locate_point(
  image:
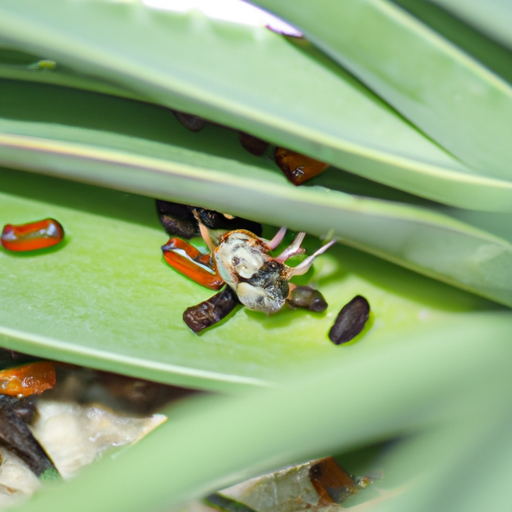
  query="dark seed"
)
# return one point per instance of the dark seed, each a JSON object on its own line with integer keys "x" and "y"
{"x": 350, "y": 321}
{"x": 189, "y": 121}
{"x": 10, "y": 358}
{"x": 252, "y": 144}
{"x": 211, "y": 311}
{"x": 16, "y": 433}
{"x": 216, "y": 220}
{"x": 307, "y": 298}
{"x": 25, "y": 408}
{"x": 178, "y": 220}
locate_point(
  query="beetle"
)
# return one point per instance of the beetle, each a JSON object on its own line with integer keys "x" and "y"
{"x": 241, "y": 259}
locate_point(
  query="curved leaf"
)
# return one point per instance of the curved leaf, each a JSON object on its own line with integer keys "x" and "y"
{"x": 107, "y": 299}
{"x": 19, "y": 65}
{"x": 258, "y": 81}
{"x": 492, "y": 17}
{"x": 442, "y": 90}
{"x": 420, "y": 380}
{"x": 137, "y": 156}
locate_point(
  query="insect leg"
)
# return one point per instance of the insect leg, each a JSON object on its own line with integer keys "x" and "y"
{"x": 204, "y": 232}
{"x": 293, "y": 249}
{"x": 303, "y": 267}
{"x": 278, "y": 238}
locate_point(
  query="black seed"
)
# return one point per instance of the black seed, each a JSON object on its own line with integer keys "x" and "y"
{"x": 252, "y": 144}
{"x": 307, "y": 298}
{"x": 16, "y": 433}
{"x": 25, "y": 408}
{"x": 178, "y": 220}
{"x": 215, "y": 220}
{"x": 189, "y": 121}
{"x": 210, "y": 311}
{"x": 350, "y": 321}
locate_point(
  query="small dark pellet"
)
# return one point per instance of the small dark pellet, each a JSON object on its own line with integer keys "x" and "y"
{"x": 252, "y": 144}
{"x": 350, "y": 321}
{"x": 189, "y": 121}
{"x": 307, "y": 298}
{"x": 211, "y": 311}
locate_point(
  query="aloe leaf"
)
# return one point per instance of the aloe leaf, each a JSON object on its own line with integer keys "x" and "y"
{"x": 476, "y": 451}
{"x": 442, "y": 90}
{"x": 418, "y": 379}
{"x": 19, "y": 65}
{"x": 482, "y": 48}
{"x": 107, "y": 299}
{"x": 41, "y": 106}
{"x": 234, "y": 181}
{"x": 492, "y": 17}
{"x": 258, "y": 81}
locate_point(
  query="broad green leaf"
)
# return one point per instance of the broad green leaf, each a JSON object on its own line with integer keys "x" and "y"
{"x": 107, "y": 299}
{"x": 491, "y": 17}
{"x": 212, "y": 169}
{"x": 420, "y": 383}
{"x": 482, "y": 48}
{"x": 442, "y": 90}
{"x": 432, "y": 365}
{"x": 282, "y": 90}
{"x": 18, "y": 65}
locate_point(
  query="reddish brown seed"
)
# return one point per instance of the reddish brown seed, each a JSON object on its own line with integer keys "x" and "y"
{"x": 29, "y": 379}
{"x": 194, "y": 264}
{"x": 296, "y": 167}
{"x": 332, "y": 483}
{"x": 32, "y": 236}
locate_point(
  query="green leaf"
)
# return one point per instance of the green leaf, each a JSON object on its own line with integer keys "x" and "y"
{"x": 279, "y": 89}
{"x": 492, "y": 17}
{"x": 432, "y": 367}
{"x": 442, "y": 90}
{"x": 419, "y": 382}
{"x": 136, "y": 155}
{"x": 107, "y": 299}
{"x": 484, "y": 49}
{"x": 19, "y": 65}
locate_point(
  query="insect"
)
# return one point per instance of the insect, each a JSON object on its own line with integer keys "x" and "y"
{"x": 241, "y": 259}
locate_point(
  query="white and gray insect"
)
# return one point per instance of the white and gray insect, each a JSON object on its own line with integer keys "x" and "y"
{"x": 259, "y": 280}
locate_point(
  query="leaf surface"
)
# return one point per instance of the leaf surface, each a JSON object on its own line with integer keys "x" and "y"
{"x": 441, "y": 89}
{"x": 257, "y": 81}
{"x": 106, "y": 298}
